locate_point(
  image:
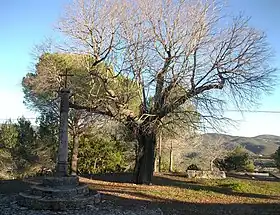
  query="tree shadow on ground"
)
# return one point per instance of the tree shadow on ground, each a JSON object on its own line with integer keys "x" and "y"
{"x": 112, "y": 177}
{"x": 257, "y": 178}
{"x": 130, "y": 199}
{"x": 13, "y": 186}
{"x": 224, "y": 189}
{"x": 173, "y": 207}
{"x": 167, "y": 181}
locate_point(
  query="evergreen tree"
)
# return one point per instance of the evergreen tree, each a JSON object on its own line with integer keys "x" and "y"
{"x": 276, "y": 157}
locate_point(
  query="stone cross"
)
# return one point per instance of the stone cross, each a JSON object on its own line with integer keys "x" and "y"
{"x": 62, "y": 160}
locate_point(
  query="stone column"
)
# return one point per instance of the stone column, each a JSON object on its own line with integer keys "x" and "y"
{"x": 62, "y": 160}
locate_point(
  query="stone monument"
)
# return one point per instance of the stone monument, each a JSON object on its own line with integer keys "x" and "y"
{"x": 61, "y": 191}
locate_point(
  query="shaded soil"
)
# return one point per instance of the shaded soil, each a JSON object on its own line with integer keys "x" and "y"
{"x": 171, "y": 194}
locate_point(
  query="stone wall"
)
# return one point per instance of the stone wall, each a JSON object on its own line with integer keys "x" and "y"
{"x": 206, "y": 174}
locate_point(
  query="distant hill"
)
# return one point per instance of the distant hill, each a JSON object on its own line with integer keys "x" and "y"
{"x": 259, "y": 145}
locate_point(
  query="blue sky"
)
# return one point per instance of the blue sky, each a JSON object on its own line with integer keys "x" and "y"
{"x": 265, "y": 16}
{"x": 25, "y": 23}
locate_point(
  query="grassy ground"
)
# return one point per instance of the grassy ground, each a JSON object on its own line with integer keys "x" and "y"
{"x": 178, "y": 195}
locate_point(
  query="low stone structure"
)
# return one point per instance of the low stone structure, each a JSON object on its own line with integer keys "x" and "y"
{"x": 206, "y": 174}
{"x": 59, "y": 193}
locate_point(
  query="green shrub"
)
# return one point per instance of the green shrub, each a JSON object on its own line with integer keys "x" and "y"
{"x": 238, "y": 160}
{"x": 24, "y": 150}
{"x": 237, "y": 186}
{"x": 276, "y": 157}
{"x": 193, "y": 167}
{"x": 164, "y": 167}
{"x": 250, "y": 167}
{"x": 99, "y": 154}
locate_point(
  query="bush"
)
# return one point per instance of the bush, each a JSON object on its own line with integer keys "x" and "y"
{"x": 193, "y": 167}
{"x": 99, "y": 154}
{"x": 238, "y": 186}
{"x": 24, "y": 150}
{"x": 250, "y": 167}
{"x": 276, "y": 157}
{"x": 238, "y": 160}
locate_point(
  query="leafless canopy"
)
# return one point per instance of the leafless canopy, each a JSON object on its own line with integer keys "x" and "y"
{"x": 179, "y": 52}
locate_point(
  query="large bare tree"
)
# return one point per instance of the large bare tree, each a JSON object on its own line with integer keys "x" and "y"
{"x": 176, "y": 52}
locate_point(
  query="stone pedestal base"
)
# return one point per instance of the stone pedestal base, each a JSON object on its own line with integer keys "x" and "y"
{"x": 59, "y": 193}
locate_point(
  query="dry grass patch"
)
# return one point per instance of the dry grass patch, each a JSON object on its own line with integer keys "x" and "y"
{"x": 174, "y": 188}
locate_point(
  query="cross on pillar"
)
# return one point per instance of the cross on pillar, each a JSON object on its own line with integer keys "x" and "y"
{"x": 65, "y": 75}
{"x": 62, "y": 160}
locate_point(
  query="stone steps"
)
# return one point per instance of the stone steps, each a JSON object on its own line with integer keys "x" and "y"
{"x": 51, "y": 203}
{"x": 61, "y": 181}
{"x": 59, "y": 193}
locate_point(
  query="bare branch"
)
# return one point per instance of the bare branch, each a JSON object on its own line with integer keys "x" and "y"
{"x": 177, "y": 52}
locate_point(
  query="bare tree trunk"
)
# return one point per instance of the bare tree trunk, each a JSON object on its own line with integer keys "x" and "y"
{"x": 212, "y": 164}
{"x": 144, "y": 167}
{"x": 74, "y": 162}
{"x": 94, "y": 165}
{"x": 155, "y": 163}
{"x": 136, "y": 153}
{"x": 171, "y": 157}
{"x": 159, "y": 150}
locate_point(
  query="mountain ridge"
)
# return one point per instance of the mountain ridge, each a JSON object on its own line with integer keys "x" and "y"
{"x": 264, "y": 144}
